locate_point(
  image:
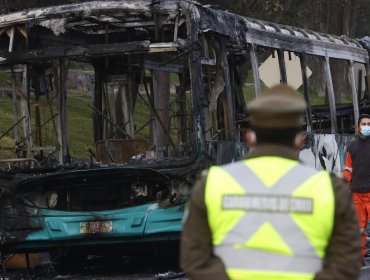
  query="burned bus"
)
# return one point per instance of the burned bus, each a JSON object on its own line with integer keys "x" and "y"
{"x": 171, "y": 82}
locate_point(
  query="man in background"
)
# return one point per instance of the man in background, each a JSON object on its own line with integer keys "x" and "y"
{"x": 357, "y": 173}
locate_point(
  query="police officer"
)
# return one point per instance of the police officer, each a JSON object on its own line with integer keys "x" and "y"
{"x": 268, "y": 216}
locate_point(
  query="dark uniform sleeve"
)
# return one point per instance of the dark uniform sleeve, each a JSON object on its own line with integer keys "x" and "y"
{"x": 343, "y": 254}
{"x": 196, "y": 254}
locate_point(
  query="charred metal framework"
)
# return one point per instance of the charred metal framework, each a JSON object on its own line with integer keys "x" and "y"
{"x": 190, "y": 68}
{"x": 123, "y": 40}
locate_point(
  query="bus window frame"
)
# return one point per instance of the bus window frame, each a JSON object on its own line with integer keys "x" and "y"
{"x": 331, "y": 98}
{"x": 352, "y": 81}
{"x": 282, "y": 67}
{"x": 256, "y": 75}
{"x": 302, "y": 60}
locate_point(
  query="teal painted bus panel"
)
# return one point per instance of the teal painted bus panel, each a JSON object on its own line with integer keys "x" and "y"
{"x": 164, "y": 220}
{"x": 62, "y": 225}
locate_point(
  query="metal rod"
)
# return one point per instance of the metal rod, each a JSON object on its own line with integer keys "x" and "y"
{"x": 11, "y": 40}
{"x": 229, "y": 93}
{"x": 15, "y": 111}
{"x": 110, "y": 121}
{"x": 175, "y": 32}
{"x": 25, "y": 110}
{"x": 14, "y": 125}
{"x": 302, "y": 59}
{"x": 157, "y": 115}
{"x": 329, "y": 84}
{"x": 354, "y": 93}
{"x": 142, "y": 127}
{"x": 283, "y": 77}
{"x": 359, "y": 85}
{"x": 63, "y": 114}
{"x": 41, "y": 126}
{"x": 256, "y": 77}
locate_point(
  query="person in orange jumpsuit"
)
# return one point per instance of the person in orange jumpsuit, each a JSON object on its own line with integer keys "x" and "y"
{"x": 357, "y": 173}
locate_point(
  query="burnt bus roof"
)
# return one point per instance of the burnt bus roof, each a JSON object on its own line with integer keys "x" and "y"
{"x": 76, "y": 25}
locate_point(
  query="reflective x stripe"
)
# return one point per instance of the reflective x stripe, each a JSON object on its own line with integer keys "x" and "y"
{"x": 348, "y": 168}
{"x": 304, "y": 257}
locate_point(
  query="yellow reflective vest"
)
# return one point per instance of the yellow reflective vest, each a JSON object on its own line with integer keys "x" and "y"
{"x": 270, "y": 218}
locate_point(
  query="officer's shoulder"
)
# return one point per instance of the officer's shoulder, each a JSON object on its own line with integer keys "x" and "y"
{"x": 340, "y": 186}
{"x": 312, "y": 171}
{"x": 225, "y": 166}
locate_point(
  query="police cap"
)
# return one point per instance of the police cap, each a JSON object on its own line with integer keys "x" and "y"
{"x": 278, "y": 107}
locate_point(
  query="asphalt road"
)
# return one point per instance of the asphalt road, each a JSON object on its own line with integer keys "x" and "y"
{"x": 44, "y": 274}
{"x": 160, "y": 268}
{"x": 163, "y": 270}
{"x": 175, "y": 275}
{"x": 100, "y": 276}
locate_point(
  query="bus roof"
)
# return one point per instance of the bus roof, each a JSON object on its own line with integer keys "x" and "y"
{"x": 237, "y": 29}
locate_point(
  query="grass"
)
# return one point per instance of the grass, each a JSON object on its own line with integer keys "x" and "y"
{"x": 5, "y": 78}
{"x": 5, "y": 123}
{"x": 79, "y": 120}
{"x": 79, "y": 124}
